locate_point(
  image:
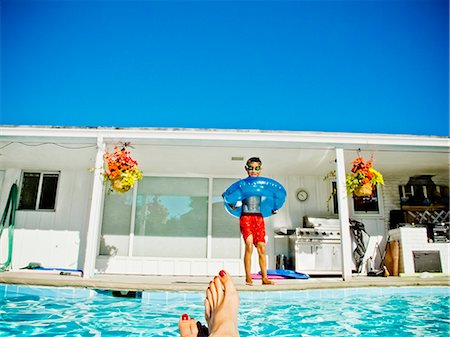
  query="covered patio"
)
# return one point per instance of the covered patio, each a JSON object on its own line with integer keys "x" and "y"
{"x": 299, "y": 160}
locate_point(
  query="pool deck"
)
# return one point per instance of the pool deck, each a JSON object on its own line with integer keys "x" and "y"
{"x": 198, "y": 283}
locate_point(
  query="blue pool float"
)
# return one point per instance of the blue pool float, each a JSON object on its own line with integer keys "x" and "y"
{"x": 287, "y": 273}
{"x": 272, "y": 195}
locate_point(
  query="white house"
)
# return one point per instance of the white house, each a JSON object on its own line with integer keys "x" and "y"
{"x": 173, "y": 221}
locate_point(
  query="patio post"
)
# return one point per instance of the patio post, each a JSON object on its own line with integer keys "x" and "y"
{"x": 343, "y": 215}
{"x": 95, "y": 213}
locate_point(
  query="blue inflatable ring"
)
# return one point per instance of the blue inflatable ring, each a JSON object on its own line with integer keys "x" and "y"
{"x": 272, "y": 195}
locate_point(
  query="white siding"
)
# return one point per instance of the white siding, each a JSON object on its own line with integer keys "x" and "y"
{"x": 57, "y": 238}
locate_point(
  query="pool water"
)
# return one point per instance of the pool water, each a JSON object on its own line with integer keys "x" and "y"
{"x": 406, "y": 311}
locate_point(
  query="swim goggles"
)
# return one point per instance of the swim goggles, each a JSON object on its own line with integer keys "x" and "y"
{"x": 251, "y": 168}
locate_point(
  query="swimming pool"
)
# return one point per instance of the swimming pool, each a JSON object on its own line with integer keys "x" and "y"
{"x": 405, "y": 311}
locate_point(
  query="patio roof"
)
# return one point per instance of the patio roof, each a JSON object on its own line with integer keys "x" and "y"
{"x": 202, "y": 151}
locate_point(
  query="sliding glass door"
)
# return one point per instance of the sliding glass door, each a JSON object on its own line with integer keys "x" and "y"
{"x": 171, "y": 217}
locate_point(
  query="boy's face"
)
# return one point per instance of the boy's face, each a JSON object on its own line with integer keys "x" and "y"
{"x": 253, "y": 169}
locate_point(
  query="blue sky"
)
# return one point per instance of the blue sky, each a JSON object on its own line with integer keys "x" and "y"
{"x": 341, "y": 66}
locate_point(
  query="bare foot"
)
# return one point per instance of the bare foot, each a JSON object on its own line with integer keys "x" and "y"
{"x": 266, "y": 281}
{"x": 249, "y": 281}
{"x": 187, "y": 327}
{"x": 221, "y": 306}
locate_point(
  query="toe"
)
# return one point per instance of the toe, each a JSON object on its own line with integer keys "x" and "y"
{"x": 227, "y": 281}
{"x": 213, "y": 291}
{"x": 210, "y": 298}
{"x": 207, "y": 310}
{"x": 184, "y": 326}
{"x": 193, "y": 327}
{"x": 219, "y": 289}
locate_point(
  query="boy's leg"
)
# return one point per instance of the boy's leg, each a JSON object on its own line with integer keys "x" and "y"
{"x": 245, "y": 223}
{"x": 248, "y": 259}
{"x": 259, "y": 232}
{"x": 261, "y": 248}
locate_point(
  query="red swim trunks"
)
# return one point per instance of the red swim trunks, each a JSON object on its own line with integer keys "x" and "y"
{"x": 253, "y": 224}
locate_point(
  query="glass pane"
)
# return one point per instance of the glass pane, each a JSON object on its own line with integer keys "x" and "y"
{"x": 116, "y": 223}
{"x": 226, "y": 235}
{"x": 28, "y": 194}
{"x": 366, "y": 204}
{"x": 48, "y": 191}
{"x": 171, "y": 217}
{"x": 335, "y": 199}
{"x": 360, "y": 204}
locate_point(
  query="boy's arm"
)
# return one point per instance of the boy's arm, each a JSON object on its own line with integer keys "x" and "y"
{"x": 233, "y": 207}
{"x": 276, "y": 202}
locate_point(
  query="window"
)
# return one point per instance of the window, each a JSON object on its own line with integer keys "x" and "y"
{"x": 168, "y": 217}
{"x": 117, "y": 212}
{"x": 171, "y": 217}
{"x": 38, "y": 191}
{"x": 361, "y": 205}
{"x": 366, "y": 204}
{"x": 226, "y": 234}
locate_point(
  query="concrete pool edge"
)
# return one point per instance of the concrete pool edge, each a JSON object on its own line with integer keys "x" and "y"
{"x": 10, "y": 291}
{"x": 192, "y": 283}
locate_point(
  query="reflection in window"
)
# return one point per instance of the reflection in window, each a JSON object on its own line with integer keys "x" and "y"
{"x": 226, "y": 235}
{"x": 171, "y": 220}
{"x": 116, "y": 223}
{"x": 171, "y": 217}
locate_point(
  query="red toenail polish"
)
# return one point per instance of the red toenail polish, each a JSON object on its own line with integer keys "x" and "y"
{"x": 184, "y": 317}
{"x": 222, "y": 273}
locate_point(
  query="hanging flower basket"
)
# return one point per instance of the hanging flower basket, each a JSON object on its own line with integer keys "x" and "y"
{"x": 363, "y": 190}
{"x": 121, "y": 170}
{"x": 363, "y": 178}
{"x": 116, "y": 185}
{"x": 361, "y": 181}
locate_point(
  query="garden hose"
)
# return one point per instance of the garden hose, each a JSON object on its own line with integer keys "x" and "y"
{"x": 10, "y": 208}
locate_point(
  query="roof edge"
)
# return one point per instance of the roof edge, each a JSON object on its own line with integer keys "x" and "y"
{"x": 335, "y": 138}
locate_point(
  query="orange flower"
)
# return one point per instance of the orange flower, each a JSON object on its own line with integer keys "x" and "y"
{"x": 120, "y": 165}
{"x": 362, "y": 173}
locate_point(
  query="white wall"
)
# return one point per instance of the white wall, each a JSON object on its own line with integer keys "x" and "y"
{"x": 167, "y": 266}
{"x": 415, "y": 240}
{"x": 291, "y": 215}
{"x": 57, "y": 238}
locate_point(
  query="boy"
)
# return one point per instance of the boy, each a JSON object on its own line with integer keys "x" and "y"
{"x": 253, "y": 228}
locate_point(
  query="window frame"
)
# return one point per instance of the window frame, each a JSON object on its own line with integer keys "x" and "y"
{"x": 37, "y": 200}
{"x": 351, "y": 202}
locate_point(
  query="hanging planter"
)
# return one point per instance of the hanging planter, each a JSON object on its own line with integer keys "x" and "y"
{"x": 363, "y": 178}
{"x": 118, "y": 186}
{"x": 121, "y": 170}
{"x": 361, "y": 181}
{"x": 363, "y": 190}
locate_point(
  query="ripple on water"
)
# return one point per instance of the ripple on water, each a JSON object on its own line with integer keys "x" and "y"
{"x": 108, "y": 316}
